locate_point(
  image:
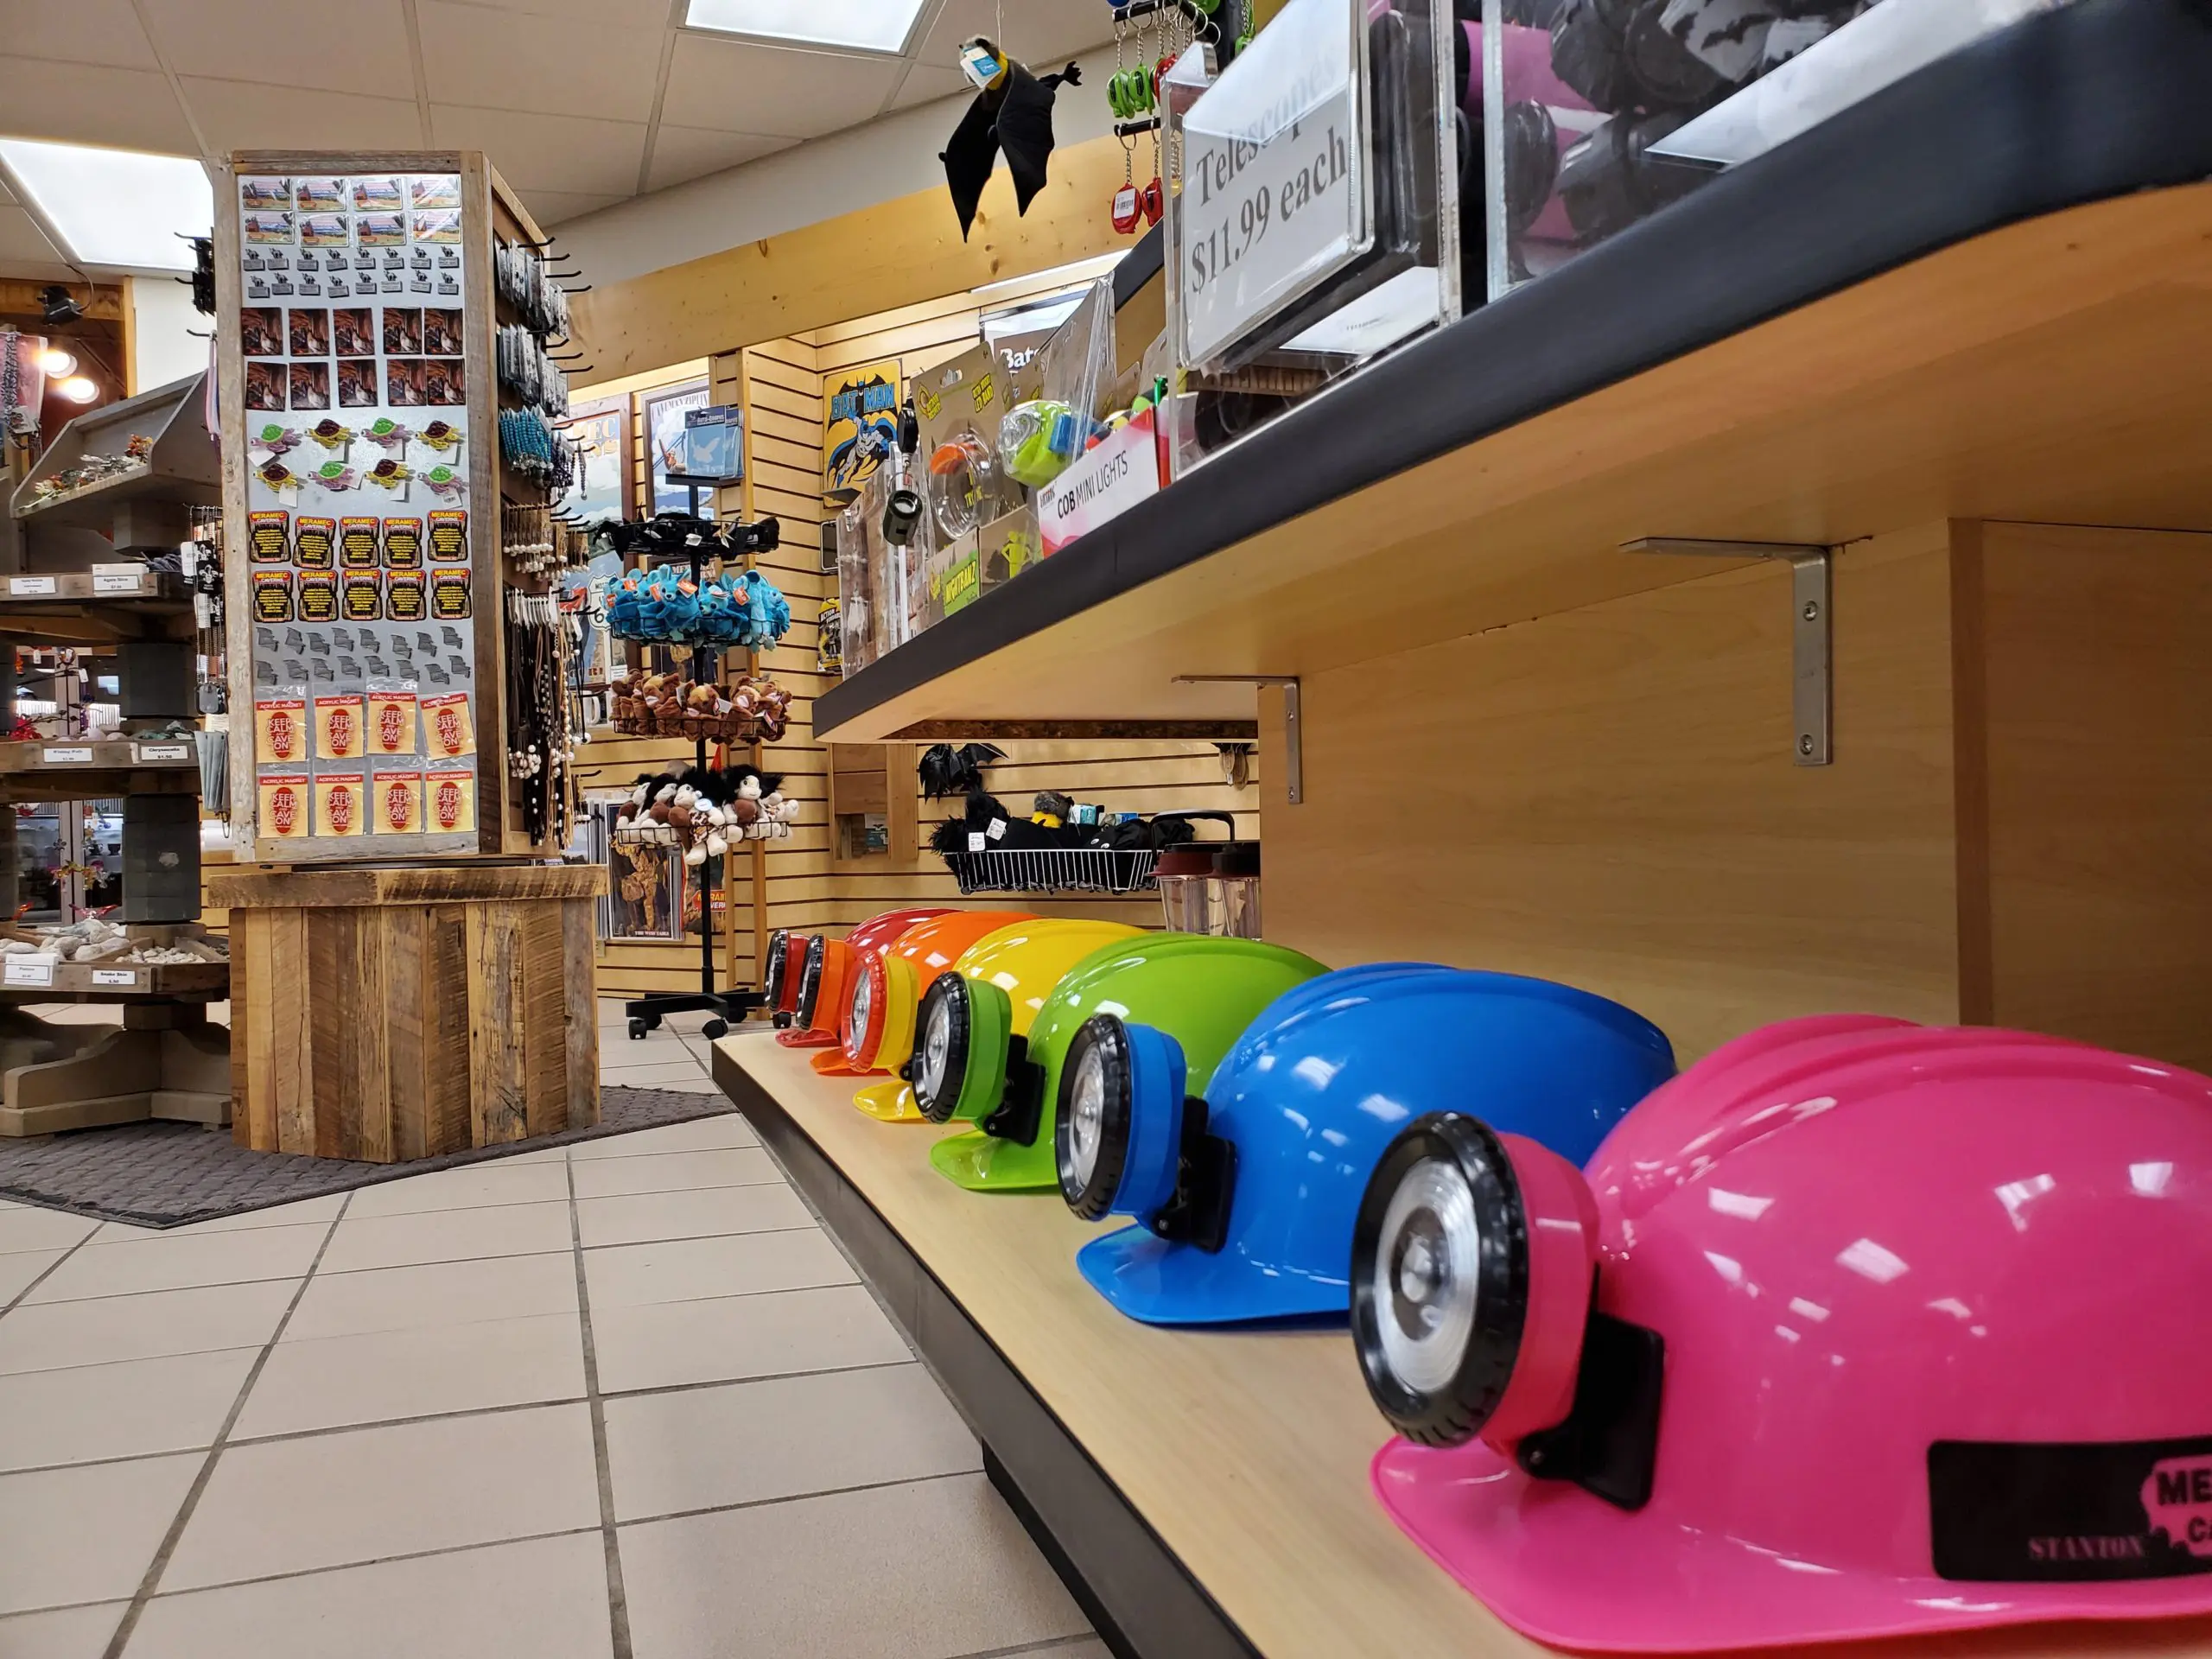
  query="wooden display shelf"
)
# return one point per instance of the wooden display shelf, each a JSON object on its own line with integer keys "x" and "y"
{"x": 93, "y": 507}
{"x": 112, "y": 767}
{"x": 1208, "y": 1489}
{"x": 80, "y": 608}
{"x": 401, "y": 1013}
{"x": 103, "y": 981}
{"x": 101, "y": 755}
{"x": 1921, "y": 309}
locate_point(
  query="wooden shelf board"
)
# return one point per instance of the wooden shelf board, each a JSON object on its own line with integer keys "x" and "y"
{"x": 155, "y": 607}
{"x": 198, "y": 981}
{"x": 106, "y": 755}
{"x": 2052, "y": 371}
{"x": 1245, "y": 1451}
{"x": 93, "y": 507}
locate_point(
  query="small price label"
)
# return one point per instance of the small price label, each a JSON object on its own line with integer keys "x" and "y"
{"x": 114, "y": 976}
{"x": 997, "y": 831}
{"x": 19, "y": 586}
{"x": 977, "y": 840}
{"x": 70, "y": 757}
{"x": 123, "y": 582}
{"x": 27, "y": 970}
{"x": 143, "y": 752}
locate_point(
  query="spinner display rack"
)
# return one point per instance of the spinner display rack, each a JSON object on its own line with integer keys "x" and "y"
{"x": 78, "y": 586}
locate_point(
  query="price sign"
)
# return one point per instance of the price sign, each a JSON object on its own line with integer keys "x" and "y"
{"x": 19, "y": 586}
{"x": 1274, "y": 198}
{"x": 144, "y": 753}
{"x": 1104, "y": 484}
{"x": 27, "y": 970}
{"x": 69, "y": 757}
{"x": 118, "y": 976}
{"x": 123, "y": 583}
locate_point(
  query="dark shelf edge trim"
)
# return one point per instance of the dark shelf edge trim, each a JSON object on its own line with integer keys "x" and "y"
{"x": 1166, "y": 1613}
{"x": 2097, "y": 99}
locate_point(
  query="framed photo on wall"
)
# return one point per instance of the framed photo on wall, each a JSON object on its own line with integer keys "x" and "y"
{"x": 665, "y": 446}
{"x": 601, "y": 425}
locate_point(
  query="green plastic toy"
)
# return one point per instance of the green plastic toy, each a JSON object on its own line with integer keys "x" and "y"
{"x": 1203, "y": 991}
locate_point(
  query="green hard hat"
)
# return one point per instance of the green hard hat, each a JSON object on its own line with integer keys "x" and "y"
{"x": 1201, "y": 991}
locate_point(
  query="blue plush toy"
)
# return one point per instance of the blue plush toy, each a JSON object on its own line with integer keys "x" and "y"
{"x": 740, "y": 610}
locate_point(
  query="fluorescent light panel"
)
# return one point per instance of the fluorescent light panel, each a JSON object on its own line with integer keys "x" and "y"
{"x": 861, "y": 25}
{"x": 115, "y": 207}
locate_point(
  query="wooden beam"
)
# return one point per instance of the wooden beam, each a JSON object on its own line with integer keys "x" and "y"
{"x": 896, "y": 253}
{"x": 103, "y": 303}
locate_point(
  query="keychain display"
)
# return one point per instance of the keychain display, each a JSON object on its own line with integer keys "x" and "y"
{"x": 962, "y": 474}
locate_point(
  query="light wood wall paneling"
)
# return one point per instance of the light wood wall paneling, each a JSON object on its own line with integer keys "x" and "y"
{"x": 1606, "y": 797}
{"x": 2097, "y": 788}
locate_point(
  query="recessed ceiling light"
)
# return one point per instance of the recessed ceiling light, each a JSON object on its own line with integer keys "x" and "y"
{"x": 115, "y": 207}
{"x": 78, "y": 390}
{"x": 862, "y": 25}
{"x": 54, "y": 364}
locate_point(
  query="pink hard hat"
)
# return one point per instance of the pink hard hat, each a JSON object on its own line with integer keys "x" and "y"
{"x": 1896, "y": 1329}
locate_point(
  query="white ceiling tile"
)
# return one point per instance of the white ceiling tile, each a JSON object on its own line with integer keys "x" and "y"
{"x": 239, "y": 115}
{"x": 512, "y": 61}
{"x": 737, "y": 86}
{"x": 1043, "y": 33}
{"x": 79, "y": 31}
{"x": 682, "y": 154}
{"x": 360, "y": 46}
{"x": 548, "y": 152}
{"x": 550, "y": 207}
{"x": 24, "y": 251}
{"x": 75, "y": 103}
{"x": 627, "y": 14}
{"x": 925, "y": 84}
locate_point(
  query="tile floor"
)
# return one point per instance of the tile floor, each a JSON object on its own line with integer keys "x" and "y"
{"x": 626, "y": 1401}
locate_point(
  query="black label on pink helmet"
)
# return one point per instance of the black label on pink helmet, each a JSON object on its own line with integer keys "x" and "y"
{"x": 2009, "y": 1513}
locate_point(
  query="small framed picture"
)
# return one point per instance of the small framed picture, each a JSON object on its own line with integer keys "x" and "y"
{"x": 261, "y": 330}
{"x": 441, "y": 333}
{"x": 403, "y": 330}
{"x": 402, "y": 382}
{"x": 310, "y": 385}
{"x": 357, "y": 383}
{"x": 354, "y": 331}
{"x": 308, "y": 331}
{"x": 265, "y": 385}
{"x": 443, "y": 383}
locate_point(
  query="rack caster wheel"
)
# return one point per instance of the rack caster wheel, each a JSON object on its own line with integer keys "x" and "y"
{"x": 637, "y": 1028}
{"x": 714, "y": 1028}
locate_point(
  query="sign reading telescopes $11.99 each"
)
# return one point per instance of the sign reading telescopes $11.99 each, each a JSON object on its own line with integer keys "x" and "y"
{"x": 1274, "y": 198}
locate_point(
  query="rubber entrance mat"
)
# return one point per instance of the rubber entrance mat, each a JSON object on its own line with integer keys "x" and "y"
{"x": 166, "y": 1174}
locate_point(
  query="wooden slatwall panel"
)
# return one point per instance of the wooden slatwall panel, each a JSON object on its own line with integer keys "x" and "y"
{"x": 784, "y": 381}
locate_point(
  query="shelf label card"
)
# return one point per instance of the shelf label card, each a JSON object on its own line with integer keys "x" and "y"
{"x": 27, "y": 970}
{"x": 143, "y": 752}
{"x": 19, "y": 586}
{"x": 1104, "y": 484}
{"x": 125, "y": 584}
{"x": 69, "y": 757}
{"x": 976, "y": 840}
{"x": 124, "y": 976}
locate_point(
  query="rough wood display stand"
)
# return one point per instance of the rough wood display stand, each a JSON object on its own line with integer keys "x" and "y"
{"x": 387, "y": 1015}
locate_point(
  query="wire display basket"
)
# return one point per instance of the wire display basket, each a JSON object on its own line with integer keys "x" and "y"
{"x": 1057, "y": 869}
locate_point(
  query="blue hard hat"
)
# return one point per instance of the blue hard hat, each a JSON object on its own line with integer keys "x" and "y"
{"x": 1244, "y": 1199}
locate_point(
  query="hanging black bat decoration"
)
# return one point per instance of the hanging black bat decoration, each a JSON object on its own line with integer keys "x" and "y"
{"x": 945, "y": 771}
{"x": 1013, "y": 114}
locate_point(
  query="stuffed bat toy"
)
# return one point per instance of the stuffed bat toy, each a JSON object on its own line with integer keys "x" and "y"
{"x": 945, "y": 772}
{"x": 1013, "y": 113}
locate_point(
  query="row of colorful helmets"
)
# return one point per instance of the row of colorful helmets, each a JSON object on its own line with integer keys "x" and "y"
{"x": 1856, "y": 1327}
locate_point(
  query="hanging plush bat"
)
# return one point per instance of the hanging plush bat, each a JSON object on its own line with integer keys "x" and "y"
{"x": 945, "y": 772}
{"x": 1012, "y": 113}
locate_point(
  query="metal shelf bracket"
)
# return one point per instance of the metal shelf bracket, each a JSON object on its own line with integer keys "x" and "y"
{"x": 1293, "y": 764}
{"x": 1811, "y": 602}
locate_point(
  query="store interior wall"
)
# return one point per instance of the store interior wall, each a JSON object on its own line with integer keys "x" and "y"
{"x": 169, "y": 338}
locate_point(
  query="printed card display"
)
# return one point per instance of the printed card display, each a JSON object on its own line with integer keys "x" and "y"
{"x": 314, "y": 544}
{"x": 449, "y": 599}
{"x": 403, "y": 596}
{"x": 338, "y": 728}
{"x": 318, "y": 596}
{"x": 360, "y": 596}
{"x": 447, "y": 731}
{"x": 357, "y": 543}
{"x": 284, "y": 803}
{"x": 402, "y": 543}
{"x": 339, "y": 804}
{"x": 449, "y": 535}
{"x": 449, "y": 802}
{"x": 391, "y": 722}
{"x": 397, "y": 800}
{"x": 269, "y": 537}
{"x": 280, "y": 729}
{"x": 272, "y": 595}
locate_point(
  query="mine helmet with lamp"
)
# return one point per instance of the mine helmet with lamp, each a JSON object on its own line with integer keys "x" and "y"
{"x": 1200, "y": 989}
{"x": 972, "y": 1019}
{"x": 1857, "y": 1328}
{"x": 1244, "y": 1187}
{"x": 877, "y": 1033}
{"x": 825, "y": 980}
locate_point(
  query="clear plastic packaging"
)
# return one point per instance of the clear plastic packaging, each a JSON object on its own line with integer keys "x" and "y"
{"x": 1184, "y": 874}
{"x": 1233, "y": 891}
